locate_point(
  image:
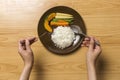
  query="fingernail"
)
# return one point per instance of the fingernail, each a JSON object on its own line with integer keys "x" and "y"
{"x": 36, "y": 39}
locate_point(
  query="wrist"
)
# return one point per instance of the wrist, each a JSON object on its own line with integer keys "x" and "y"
{"x": 29, "y": 66}
{"x": 90, "y": 63}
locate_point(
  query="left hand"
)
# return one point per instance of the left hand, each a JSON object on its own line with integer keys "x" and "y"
{"x": 25, "y": 50}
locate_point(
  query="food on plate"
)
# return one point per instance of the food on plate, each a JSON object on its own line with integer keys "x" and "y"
{"x": 63, "y": 36}
{"x": 59, "y": 23}
{"x": 47, "y": 20}
{"x": 57, "y": 19}
{"x": 63, "y": 15}
{"x": 51, "y": 16}
{"x": 64, "y": 19}
{"x": 47, "y": 26}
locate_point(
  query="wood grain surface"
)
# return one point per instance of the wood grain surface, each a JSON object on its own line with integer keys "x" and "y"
{"x": 19, "y": 19}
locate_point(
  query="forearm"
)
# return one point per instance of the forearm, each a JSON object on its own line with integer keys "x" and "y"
{"x": 26, "y": 73}
{"x": 91, "y": 71}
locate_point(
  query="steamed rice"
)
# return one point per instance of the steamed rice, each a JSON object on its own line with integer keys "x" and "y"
{"x": 62, "y": 36}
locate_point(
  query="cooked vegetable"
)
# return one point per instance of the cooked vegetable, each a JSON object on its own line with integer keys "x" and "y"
{"x": 59, "y": 23}
{"x": 57, "y": 19}
{"x": 62, "y": 14}
{"x": 51, "y": 16}
{"x": 47, "y": 26}
{"x": 65, "y": 19}
{"x": 47, "y": 20}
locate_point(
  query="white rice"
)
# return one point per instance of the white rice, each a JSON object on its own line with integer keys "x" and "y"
{"x": 63, "y": 36}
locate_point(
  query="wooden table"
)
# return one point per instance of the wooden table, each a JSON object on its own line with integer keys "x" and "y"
{"x": 19, "y": 19}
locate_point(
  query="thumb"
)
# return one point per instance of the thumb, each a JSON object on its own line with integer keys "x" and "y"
{"x": 27, "y": 43}
{"x": 91, "y": 46}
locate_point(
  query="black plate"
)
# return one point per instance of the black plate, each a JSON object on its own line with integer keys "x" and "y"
{"x": 45, "y": 36}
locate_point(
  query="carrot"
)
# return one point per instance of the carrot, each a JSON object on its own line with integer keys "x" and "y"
{"x": 59, "y": 23}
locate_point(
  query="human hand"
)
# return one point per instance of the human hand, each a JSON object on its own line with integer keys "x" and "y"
{"x": 94, "y": 50}
{"x": 25, "y": 50}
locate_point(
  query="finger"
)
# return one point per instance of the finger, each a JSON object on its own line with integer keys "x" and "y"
{"x": 84, "y": 42}
{"x": 19, "y": 45}
{"x": 97, "y": 46}
{"x": 85, "y": 45}
{"x": 87, "y": 39}
{"x": 27, "y": 44}
{"x": 32, "y": 40}
{"x": 36, "y": 39}
{"x": 22, "y": 41}
{"x": 98, "y": 49}
{"x": 82, "y": 45}
{"x": 91, "y": 46}
{"x": 97, "y": 42}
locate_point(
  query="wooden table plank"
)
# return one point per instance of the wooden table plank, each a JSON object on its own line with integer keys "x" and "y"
{"x": 19, "y": 19}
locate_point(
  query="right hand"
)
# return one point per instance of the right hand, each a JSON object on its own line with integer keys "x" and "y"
{"x": 93, "y": 49}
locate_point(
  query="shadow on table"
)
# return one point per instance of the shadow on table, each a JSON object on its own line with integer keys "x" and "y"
{"x": 39, "y": 71}
{"x": 101, "y": 66}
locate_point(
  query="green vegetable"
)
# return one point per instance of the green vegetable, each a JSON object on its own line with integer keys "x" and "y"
{"x": 65, "y": 19}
